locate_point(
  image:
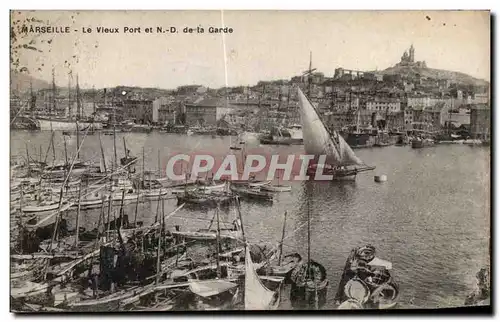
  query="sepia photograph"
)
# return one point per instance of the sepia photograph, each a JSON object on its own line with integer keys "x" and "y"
{"x": 229, "y": 160}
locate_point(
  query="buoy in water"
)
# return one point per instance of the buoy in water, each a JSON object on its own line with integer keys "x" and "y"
{"x": 381, "y": 178}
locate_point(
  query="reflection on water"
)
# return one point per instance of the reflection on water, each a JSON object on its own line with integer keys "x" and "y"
{"x": 430, "y": 219}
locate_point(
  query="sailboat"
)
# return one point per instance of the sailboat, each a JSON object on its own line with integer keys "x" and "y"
{"x": 318, "y": 140}
{"x": 257, "y": 295}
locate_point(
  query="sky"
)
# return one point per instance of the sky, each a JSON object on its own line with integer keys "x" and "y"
{"x": 264, "y": 45}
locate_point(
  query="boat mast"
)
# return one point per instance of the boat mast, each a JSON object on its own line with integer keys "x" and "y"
{"x": 53, "y": 105}
{"x": 160, "y": 228}
{"x": 115, "y": 164}
{"x": 282, "y": 238}
{"x": 78, "y": 105}
{"x": 143, "y": 160}
{"x": 102, "y": 154}
{"x": 159, "y": 167}
{"x": 357, "y": 121}
{"x": 69, "y": 95}
{"x": 110, "y": 205}
{"x": 32, "y": 100}
{"x": 125, "y": 148}
{"x": 218, "y": 243}
{"x": 126, "y": 156}
{"x": 309, "y": 75}
{"x": 237, "y": 199}
{"x": 77, "y": 117}
{"x": 308, "y": 275}
{"x": 49, "y": 147}
{"x": 78, "y": 215}
{"x": 93, "y": 98}
{"x": 159, "y": 247}
{"x": 50, "y": 111}
{"x": 28, "y": 160}
{"x": 65, "y": 153}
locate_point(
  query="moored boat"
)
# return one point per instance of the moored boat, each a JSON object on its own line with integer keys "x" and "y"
{"x": 253, "y": 193}
{"x": 41, "y": 206}
{"x": 204, "y": 199}
{"x": 418, "y": 143}
{"x": 276, "y": 188}
{"x": 366, "y": 282}
{"x": 207, "y": 186}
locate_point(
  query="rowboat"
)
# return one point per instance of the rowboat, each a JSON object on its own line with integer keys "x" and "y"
{"x": 366, "y": 280}
{"x": 253, "y": 193}
{"x": 250, "y": 183}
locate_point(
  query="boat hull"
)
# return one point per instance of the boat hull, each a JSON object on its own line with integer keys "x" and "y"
{"x": 303, "y": 297}
{"x": 419, "y": 144}
{"x": 42, "y": 208}
{"x": 59, "y": 125}
{"x": 276, "y": 188}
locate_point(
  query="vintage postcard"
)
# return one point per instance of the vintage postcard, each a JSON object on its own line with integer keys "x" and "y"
{"x": 249, "y": 160}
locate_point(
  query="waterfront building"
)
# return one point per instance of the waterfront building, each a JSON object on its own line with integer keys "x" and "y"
{"x": 139, "y": 110}
{"x": 166, "y": 110}
{"x": 408, "y": 117}
{"x": 480, "y": 121}
{"x": 435, "y": 116}
{"x": 395, "y": 120}
{"x": 206, "y": 112}
{"x": 337, "y": 120}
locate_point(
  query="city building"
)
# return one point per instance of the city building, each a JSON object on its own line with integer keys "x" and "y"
{"x": 395, "y": 120}
{"x": 408, "y": 117}
{"x": 383, "y": 104}
{"x": 166, "y": 110}
{"x": 337, "y": 120}
{"x": 420, "y": 101}
{"x": 434, "y": 116}
{"x": 138, "y": 110}
{"x": 206, "y": 112}
{"x": 480, "y": 122}
{"x": 316, "y": 78}
{"x": 481, "y": 98}
{"x": 347, "y": 74}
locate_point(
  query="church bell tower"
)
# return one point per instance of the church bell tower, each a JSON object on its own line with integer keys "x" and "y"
{"x": 412, "y": 54}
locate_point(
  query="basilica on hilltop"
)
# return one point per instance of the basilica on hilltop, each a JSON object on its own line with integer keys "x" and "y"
{"x": 408, "y": 59}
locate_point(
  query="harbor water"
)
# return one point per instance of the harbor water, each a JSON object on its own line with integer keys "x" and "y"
{"x": 431, "y": 218}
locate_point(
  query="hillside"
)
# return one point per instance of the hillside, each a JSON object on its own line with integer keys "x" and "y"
{"x": 454, "y": 77}
{"x": 21, "y": 82}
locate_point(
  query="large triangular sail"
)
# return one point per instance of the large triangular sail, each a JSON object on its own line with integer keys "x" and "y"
{"x": 319, "y": 141}
{"x": 257, "y": 296}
